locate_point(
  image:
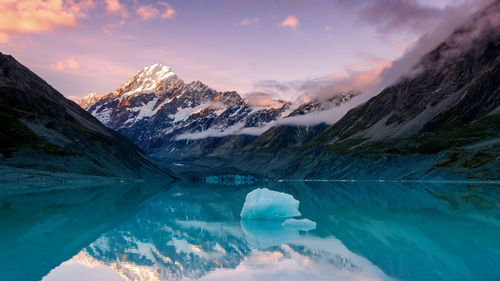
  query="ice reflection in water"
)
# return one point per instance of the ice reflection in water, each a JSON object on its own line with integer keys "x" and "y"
{"x": 370, "y": 231}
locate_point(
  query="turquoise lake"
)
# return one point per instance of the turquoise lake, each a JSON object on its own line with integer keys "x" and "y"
{"x": 193, "y": 231}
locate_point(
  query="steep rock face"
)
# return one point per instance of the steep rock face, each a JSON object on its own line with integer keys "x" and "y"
{"x": 281, "y": 137}
{"x": 172, "y": 120}
{"x": 43, "y": 130}
{"x": 175, "y": 121}
{"x": 442, "y": 122}
{"x": 445, "y": 81}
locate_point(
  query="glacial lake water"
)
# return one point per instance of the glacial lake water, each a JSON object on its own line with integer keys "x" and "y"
{"x": 193, "y": 231}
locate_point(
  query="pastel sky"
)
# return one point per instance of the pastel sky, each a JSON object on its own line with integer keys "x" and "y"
{"x": 96, "y": 45}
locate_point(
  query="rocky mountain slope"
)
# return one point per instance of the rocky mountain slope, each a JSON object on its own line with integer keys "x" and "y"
{"x": 42, "y": 130}
{"x": 172, "y": 120}
{"x": 443, "y": 121}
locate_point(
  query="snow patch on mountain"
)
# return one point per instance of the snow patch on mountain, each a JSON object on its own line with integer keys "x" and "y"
{"x": 103, "y": 116}
{"x": 148, "y": 80}
{"x": 183, "y": 113}
{"x": 90, "y": 99}
{"x": 147, "y": 110}
{"x": 159, "y": 112}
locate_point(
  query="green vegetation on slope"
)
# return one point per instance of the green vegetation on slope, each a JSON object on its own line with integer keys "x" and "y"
{"x": 17, "y": 136}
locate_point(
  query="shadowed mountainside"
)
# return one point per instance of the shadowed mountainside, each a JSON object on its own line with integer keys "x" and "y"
{"x": 42, "y": 130}
{"x": 442, "y": 121}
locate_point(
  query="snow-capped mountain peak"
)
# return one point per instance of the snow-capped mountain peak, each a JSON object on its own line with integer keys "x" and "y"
{"x": 149, "y": 80}
{"x": 90, "y": 99}
{"x": 170, "y": 119}
{"x": 156, "y": 72}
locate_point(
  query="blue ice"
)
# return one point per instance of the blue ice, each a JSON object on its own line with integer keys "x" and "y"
{"x": 265, "y": 204}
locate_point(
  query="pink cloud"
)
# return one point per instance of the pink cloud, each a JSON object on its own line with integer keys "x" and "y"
{"x": 248, "y": 21}
{"x": 148, "y": 12}
{"x": 33, "y": 16}
{"x": 169, "y": 12}
{"x": 359, "y": 76}
{"x": 115, "y": 7}
{"x": 69, "y": 63}
{"x": 291, "y": 22}
{"x": 262, "y": 100}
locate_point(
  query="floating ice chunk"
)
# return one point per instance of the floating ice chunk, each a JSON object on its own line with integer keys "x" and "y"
{"x": 302, "y": 224}
{"x": 265, "y": 204}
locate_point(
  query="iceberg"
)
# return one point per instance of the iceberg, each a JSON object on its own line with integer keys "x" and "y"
{"x": 265, "y": 204}
{"x": 299, "y": 224}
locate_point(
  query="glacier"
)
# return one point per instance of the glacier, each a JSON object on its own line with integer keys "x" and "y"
{"x": 265, "y": 204}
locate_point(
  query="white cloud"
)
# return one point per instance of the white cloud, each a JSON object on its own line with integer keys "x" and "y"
{"x": 261, "y": 100}
{"x": 360, "y": 76}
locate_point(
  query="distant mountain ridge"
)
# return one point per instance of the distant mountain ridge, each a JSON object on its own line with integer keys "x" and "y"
{"x": 173, "y": 120}
{"x": 89, "y": 100}
{"x": 441, "y": 122}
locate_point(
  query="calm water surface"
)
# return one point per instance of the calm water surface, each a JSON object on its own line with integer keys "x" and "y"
{"x": 185, "y": 231}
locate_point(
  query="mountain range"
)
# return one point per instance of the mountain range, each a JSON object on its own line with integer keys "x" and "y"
{"x": 173, "y": 120}
{"x": 442, "y": 121}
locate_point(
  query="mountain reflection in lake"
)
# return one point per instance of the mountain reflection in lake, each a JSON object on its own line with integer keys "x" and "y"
{"x": 365, "y": 231}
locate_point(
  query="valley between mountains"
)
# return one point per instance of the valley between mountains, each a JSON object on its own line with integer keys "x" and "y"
{"x": 442, "y": 121}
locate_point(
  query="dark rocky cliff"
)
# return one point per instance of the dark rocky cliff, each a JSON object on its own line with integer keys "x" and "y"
{"x": 42, "y": 130}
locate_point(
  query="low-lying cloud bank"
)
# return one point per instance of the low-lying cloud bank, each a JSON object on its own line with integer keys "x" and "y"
{"x": 382, "y": 73}
{"x": 328, "y": 117}
{"x": 325, "y": 87}
{"x": 454, "y": 18}
{"x": 258, "y": 99}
